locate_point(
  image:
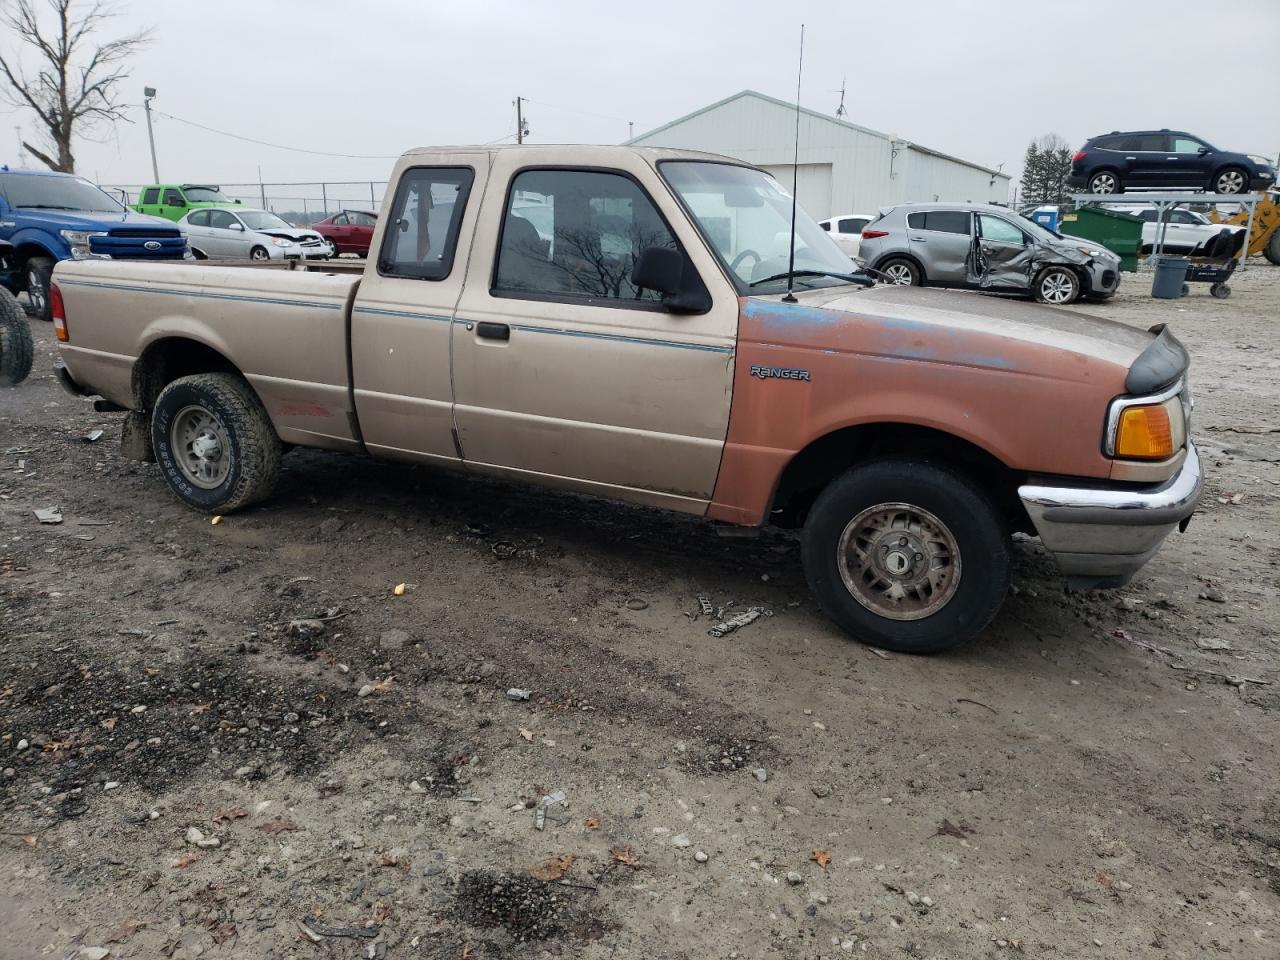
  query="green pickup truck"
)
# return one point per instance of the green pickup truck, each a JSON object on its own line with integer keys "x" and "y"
{"x": 173, "y": 201}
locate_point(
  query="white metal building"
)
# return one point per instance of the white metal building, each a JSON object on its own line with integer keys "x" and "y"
{"x": 844, "y": 168}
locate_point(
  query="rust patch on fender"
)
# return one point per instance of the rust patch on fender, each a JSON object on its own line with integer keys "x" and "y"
{"x": 1004, "y": 395}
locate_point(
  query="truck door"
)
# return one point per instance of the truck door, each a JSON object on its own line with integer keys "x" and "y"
{"x": 403, "y": 308}
{"x": 564, "y": 371}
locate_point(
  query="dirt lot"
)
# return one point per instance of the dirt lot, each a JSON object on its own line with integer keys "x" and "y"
{"x": 1084, "y": 781}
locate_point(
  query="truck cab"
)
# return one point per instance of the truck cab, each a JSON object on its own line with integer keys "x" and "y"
{"x": 47, "y": 217}
{"x": 173, "y": 201}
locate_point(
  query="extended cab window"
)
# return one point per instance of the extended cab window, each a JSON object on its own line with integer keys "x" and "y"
{"x": 151, "y": 195}
{"x": 576, "y": 233}
{"x": 940, "y": 221}
{"x": 999, "y": 230}
{"x": 422, "y": 236}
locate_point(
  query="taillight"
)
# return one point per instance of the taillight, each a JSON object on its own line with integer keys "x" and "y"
{"x": 59, "y": 313}
{"x": 1078, "y": 157}
{"x": 872, "y": 234}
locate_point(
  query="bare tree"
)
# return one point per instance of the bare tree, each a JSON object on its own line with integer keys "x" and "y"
{"x": 75, "y": 86}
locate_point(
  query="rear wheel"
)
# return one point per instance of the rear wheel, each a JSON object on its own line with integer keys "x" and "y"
{"x": 39, "y": 271}
{"x": 1272, "y": 250}
{"x": 214, "y": 442}
{"x": 907, "y": 555}
{"x": 1057, "y": 286}
{"x": 901, "y": 271}
{"x": 16, "y": 347}
{"x": 259, "y": 253}
{"x": 1105, "y": 181}
{"x": 1231, "y": 180}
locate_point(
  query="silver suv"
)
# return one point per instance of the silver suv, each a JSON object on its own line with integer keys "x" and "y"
{"x": 984, "y": 247}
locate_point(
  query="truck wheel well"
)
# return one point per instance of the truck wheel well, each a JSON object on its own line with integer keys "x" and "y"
{"x": 166, "y": 360}
{"x": 25, "y": 252}
{"x": 810, "y": 470}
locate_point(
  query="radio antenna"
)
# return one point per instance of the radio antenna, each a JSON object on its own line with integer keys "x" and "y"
{"x": 795, "y": 182}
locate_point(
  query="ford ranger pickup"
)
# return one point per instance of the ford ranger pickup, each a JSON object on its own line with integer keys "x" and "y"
{"x": 643, "y": 324}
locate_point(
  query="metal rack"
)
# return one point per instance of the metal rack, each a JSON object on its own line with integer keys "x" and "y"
{"x": 1164, "y": 202}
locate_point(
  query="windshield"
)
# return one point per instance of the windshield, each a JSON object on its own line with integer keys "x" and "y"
{"x": 204, "y": 195}
{"x": 261, "y": 220}
{"x": 746, "y": 217}
{"x": 56, "y": 193}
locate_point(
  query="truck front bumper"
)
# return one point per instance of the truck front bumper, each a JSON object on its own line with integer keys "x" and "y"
{"x": 1102, "y": 536}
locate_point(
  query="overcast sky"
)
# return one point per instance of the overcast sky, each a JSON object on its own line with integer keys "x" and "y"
{"x": 975, "y": 79}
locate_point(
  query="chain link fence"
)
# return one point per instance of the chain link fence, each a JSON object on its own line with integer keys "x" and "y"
{"x": 301, "y": 204}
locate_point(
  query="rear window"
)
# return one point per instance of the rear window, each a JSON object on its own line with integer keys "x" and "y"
{"x": 1108, "y": 143}
{"x": 940, "y": 221}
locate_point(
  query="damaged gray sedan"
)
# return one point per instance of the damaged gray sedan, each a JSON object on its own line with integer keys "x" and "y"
{"x": 978, "y": 246}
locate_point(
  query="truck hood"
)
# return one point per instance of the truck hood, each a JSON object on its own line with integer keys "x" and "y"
{"x": 55, "y": 220}
{"x": 955, "y": 328}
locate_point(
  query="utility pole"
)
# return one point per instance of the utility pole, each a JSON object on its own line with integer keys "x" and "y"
{"x": 522, "y": 129}
{"x": 148, "y": 94}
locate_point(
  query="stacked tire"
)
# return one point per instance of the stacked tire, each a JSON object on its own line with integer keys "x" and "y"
{"x": 16, "y": 347}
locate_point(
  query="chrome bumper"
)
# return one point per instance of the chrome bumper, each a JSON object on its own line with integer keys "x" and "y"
{"x": 1102, "y": 537}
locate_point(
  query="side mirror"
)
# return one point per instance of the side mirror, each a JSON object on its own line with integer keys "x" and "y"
{"x": 237, "y": 226}
{"x": 1202, "y": 151}
{"x": 237, "y": 202}
{"x": 659, "y": 269}
{"x": 662, "y": 269}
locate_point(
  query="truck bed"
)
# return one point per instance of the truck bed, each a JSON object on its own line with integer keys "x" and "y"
{"x": 246, "y": 315}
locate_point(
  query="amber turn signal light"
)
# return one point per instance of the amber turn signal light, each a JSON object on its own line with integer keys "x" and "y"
{"x": 1145, "y": 433}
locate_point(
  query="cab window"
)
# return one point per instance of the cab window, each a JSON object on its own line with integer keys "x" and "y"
{"x": 571, "y": 234}
{"x": 173, "y": 198}
{"x": 999, "y": 230}
{"x": 426, "y": 214}
{"x": 151, "y": 195}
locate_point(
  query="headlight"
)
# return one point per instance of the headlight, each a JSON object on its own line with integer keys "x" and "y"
{"x": 281, "y": 242}
{"x": 1092, "y": 251}
{"x": 1260, "y": 160}
{"x": 1148, "y": 428}
{"x": 78, "y": 241}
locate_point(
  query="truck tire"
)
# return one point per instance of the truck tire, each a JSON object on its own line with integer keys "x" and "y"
{"x": 1272, "y": 250}
{"x": 907, "y": 555}
{"x": 214, "y": 442}
{"x": 38, "y": 273}
{"x": 16, "y": 346}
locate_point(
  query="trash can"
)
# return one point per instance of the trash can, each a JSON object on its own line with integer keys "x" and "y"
{"x": 1171, "y": 273}
{"x": 1121, "y": 233}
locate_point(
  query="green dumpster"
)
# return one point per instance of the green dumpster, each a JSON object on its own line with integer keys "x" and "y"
{"x": 1121, "y": 233}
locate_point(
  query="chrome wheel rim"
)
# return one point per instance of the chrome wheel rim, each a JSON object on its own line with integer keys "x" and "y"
{"x": 1103, "y": 183}
{"x": 201, "y": 447}
{"x": 35, "y": 291}
{"x": 899, "y": 561}
{"x": 1057, "y": 288}
{"x": 1230, "y": 182}
{"x": 259, "y": 254}
{"x": 898, "y": 273}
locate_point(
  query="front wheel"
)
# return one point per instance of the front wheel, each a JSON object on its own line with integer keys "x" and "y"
{"x": 259, "y": 253}
{"x": 39, "y": 272}
{"x": 901, "y": 272}
{"x": 1056, "y": 285}
{"x": 907, "y": 555}
{"x": 214, "y": 442}
{"x": 1231, "y": 180}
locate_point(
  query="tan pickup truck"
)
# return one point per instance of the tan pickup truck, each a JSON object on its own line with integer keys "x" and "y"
{"x": 616, "y": 321}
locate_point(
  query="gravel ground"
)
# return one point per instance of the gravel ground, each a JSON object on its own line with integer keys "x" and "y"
{"x": 235, "y": 740}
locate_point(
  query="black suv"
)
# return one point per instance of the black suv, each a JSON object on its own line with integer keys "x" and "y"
{"x": 1165, "y": 158}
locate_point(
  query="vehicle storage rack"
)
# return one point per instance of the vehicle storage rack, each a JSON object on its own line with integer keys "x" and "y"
{"x": 1164, "y": 202}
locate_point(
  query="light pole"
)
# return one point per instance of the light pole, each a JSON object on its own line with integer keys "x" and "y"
{"x": 148, "y": 94}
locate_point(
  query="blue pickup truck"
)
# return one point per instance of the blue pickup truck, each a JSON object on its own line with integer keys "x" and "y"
{"x": 46, "y": 217}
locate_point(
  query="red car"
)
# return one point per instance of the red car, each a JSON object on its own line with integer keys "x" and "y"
{"x": 350, "y": 231}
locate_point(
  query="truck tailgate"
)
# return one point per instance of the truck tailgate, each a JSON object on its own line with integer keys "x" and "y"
{"x": 285, "y": 331}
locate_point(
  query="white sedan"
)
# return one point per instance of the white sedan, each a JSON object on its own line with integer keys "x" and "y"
{"x": 216, "y": 233}
{"x": 846, "y": 230}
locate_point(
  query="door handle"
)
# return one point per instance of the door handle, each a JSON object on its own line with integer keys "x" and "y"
{"x": 919, "y": 239}
{"x": 1131, "y": 158}
{"x": 493, "y": 331}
